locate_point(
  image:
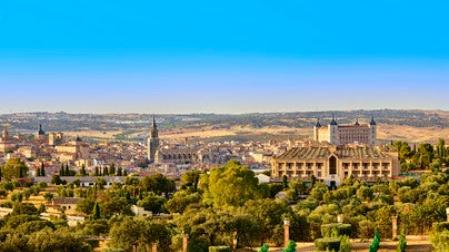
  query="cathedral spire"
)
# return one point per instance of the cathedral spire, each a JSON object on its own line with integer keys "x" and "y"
{"x": 318, "y": 124}
{"x": 333, "y": 122}
{"x": 154, "y": 122}
{"x": 154, "y": 132}
{"x": 153, "y": 142}
{"x": 41, "y": 132}
{"x": 372, "y": 121}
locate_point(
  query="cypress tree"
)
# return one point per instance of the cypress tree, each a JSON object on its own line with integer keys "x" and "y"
{"x": 112, "y": 169}
{"x": 119, "y": 171}
{"x": 61, "y": 171}
{"x": 96, "y": 213}
{"x": 67, "y": 170}
{"x": 83, "y": 170}
{"x": 42, "y": 170}
{"x": 105, "y": 171}
{"x": 97, "y": 173}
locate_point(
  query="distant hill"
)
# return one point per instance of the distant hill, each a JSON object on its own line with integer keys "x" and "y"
{"x": 28, "y": 122}
{"x": 409, "y": 125}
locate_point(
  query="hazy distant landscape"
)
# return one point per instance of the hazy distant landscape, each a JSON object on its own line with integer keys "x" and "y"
{"x": 411, "y": 125}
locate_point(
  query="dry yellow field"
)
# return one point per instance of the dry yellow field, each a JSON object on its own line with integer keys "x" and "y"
{"x": 385, "y": 132}
{"x": 92, "y": 133}
{"x": 213, "y": 132}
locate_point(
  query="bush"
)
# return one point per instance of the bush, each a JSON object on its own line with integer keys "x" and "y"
{"x": 3, "y": 193}
{"x": 440, "y": 226}
{"x": 291, "y": 247}
{"x": 264, "y": 248}
{"x": 336, "y": 230}
{"x": 375, "y": 244}
{"x": 345, "y": 244}
{"x": 220, "y": 249}
{"x": 402, "y": 245}
{"x": 331, "y": 244}
{"x": 440, "y": 240}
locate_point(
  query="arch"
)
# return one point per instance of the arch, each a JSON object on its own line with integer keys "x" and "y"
{"x": 332, "y": 165}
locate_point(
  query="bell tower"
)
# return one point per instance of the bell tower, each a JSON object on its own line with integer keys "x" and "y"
{"x": 373, "y": 132}
{"x": 334, "y": 136}
{"x": 153, "y": 141}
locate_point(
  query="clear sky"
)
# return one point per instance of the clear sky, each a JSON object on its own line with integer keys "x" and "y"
{"x": 234, "y": 56}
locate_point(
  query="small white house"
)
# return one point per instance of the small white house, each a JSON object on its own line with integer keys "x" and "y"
{"x": 263, "y": 179}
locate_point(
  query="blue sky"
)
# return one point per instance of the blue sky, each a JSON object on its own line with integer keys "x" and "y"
{"x": 222, "y": 56}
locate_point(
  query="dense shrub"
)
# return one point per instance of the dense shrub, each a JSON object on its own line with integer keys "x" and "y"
{"x": 440, "y": 226}
{"x": 264, "y": 248}
{"x": 336, "y": 230}
{"x": 375, "y": 244}
{"x": 440, "y": 240}
{"x": 345, "y": 244}
{"x": 220, "y": 249}
{"x": 402, "y": 245}
{"x": 331, "y": 244}
{"x": 291, "y": 247}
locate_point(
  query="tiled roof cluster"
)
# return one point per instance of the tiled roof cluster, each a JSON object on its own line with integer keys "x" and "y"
{"x": 315, "y": 152}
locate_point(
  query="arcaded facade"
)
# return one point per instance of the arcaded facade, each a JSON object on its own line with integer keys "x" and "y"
{"x": 332, "y": 164}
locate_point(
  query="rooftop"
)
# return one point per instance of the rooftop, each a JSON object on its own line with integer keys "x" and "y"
{"x": 312, "y": 152}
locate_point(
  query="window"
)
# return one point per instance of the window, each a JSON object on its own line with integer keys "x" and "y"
{"x": 332, "y": 165}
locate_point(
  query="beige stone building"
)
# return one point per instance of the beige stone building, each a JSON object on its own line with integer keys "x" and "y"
{"x": 332, "y": 164}
{"x": 6, "y": 145}
{"x": 176, "y": 155}
{"x": 28, "y": 151}
{"x": 72, "y": 151}
{"x": 55, "y": 138}
{"x": 346, "y": 134}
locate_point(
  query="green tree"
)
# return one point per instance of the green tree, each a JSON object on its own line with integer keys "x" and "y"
{"x": 159, "y": 184}
{"x": 96, "y": 213}
{"x": 119, "y": 171}
{"x": 83, "y": 170}
{"x": 105, "y": 171}
{"x": 67, "y": 170}
{"x": 112, "y": 170}
{"x": 61, "y": 171}
{"x": 43, "y": 170}
{"x": 181, "y": 200}
{"x": 56, "y": 179}
{"x": 190, "y": 180}
{"x": 232, "y": 185}
{"x": 441, "y": 150}
{"x": 48, "y": 196}
{"x": 14, "y": 168}
{"x": 59, "y": 240}
{"x": 153, "y": 203}
{"x": 129, "y": 231}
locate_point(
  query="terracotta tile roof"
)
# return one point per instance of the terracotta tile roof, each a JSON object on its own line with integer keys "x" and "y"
{"x": 315, "y": 152}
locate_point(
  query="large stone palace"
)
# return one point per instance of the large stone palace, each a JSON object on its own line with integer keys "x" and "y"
{"x": 338, "y": 152}
{"x": 346, "y": 134}
{"x": 332, "y": 164}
